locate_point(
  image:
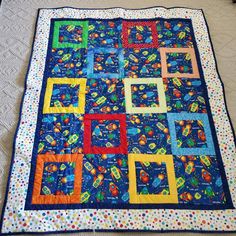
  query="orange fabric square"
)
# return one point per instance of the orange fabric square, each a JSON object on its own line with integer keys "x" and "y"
{"x": 37, "y": 198}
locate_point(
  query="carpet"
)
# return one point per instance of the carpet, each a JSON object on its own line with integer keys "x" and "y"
{"x": 124, "y": 115}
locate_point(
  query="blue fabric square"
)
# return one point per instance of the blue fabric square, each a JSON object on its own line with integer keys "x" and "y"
{"x": 176, "y": 150}
{"x": 67, "y": 62}
{"x": 61, "y": 134}
{"x": 65, "y": 94}
{"x": 105, "y": 133}
{"x": 105, "y": 33}
{"x": 105, "y": 96}
{"x": 105, "y": 179}
{"x": 112, "y": 63}
{"x": 174, "y": 33}
{"x": 142, "y": 63}
{"x": 198, "y": 180}
{"x": 70, "y": 33}
{"x": 148, "y": 134}
{"x": 58, "y": 178}
{"x": 144, "y": 95}
{"x": 185, "y": 95}
{"x": 179, "y": 63}
{"x": 151, "y": 178}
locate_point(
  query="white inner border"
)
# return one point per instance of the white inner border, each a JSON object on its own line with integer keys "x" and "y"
{"x": 34, "y": 221}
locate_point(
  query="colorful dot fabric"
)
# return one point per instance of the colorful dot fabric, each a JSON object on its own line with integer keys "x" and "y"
{"x": 123, "y": 127}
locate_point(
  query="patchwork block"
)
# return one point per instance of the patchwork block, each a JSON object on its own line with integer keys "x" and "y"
{"x": 105, "y": 179}
{"x": 179, "y": 62}
{"x": 68, "y": 63}
{"x": 57, "y": 179}
{"x": 105, "y": 33}
{"x": 168, "y": 194}
{"x": 70, "y": 34}
{"x": 61, "y": 134}
{"x": 105, "y": 96}
{"x": 198, "y": 180}
{"x": 139, "y": 34}
{"x": 158, "y": 105}
{"x": 94, "y": 129}
{"x": 64, "y": 96}
{"x": 174, "y": 33}
{"x": 185, "y": 95}
{"x": 183, "y": 142}
{"x": 142, "y": 63}
{"x": 148, "y": 134}
{"x": 105, "y": 63}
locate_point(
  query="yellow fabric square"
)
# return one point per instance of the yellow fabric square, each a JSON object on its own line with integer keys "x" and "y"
{"x": 136, "y": 198}
{"x": 48, "y": 94}
{"x": 161, "y": 95}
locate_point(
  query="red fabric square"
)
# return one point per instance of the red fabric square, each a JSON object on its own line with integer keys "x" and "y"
{"x": 128, "y": 24}
{"x": 89, "y": 149}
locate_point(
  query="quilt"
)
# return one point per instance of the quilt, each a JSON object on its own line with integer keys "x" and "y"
{"x": 123, "y": 127}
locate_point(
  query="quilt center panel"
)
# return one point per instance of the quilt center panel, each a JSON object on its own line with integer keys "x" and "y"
{"x": 125, "y": 120}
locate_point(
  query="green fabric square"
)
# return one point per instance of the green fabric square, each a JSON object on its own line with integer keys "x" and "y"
{"x": 58, "y": 24}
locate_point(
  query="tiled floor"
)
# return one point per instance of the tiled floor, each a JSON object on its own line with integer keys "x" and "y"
{"x": 17, "y": 19}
